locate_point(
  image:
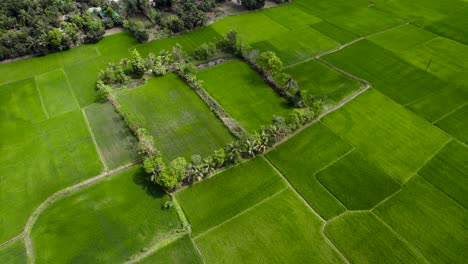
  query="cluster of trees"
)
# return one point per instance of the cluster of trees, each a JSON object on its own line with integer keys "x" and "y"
{"x": 43, "y": 26}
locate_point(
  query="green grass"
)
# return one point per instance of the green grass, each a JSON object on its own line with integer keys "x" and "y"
{"x": 291, "y": 17}
{"x": 104, "y": 223}
{"x": 402, "y": 38}
{"x": 14, "y": 253}
{"x": 56, "y": 93}
{"x": 245, "y": 96}
{"x": 322, "y": 81}
{"x": 188, "y": 41}
{"x": 228, "y": 193}
{"x": 356, "y": 182}
{"x": 364, "y": 239}
{"x": 443, "y": 58}
{"x": 389, "y": 74}
{"x": 302, "y": 156}
{"x": 180, "y": 251}
{"x": 338, "y": 34}
{"x": 180, "y": 122}
{"x": 249, "y": 25}
{"x": 429, "y": 220}
{"x": 39, "y": 159}
{"x": 113, "y": 137}
{"x": 456, "y": 124}
{"x": 297, "y": 45}
{"x": 280, "y": 230}
{"x": 447, "y": 171}
{"x": 390, "y": 135}
{"x": 326, "y": 7}
{"x": 437, "y": 105}
{"x": 453, "y": 27}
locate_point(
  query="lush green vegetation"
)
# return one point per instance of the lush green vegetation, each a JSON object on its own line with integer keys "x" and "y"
{"x": 322, "y": 81}
{"x": 284, "y": 220}
{"x": 455, "y": 123}
{"x": 393, "y": 137}
{"x": 363, "y": 238}
{"x": 14, "y": 253}
{"x": 302, "y": 156}
{"x": 429, "y": 220}
{"x": 356, "y": 182}
{"x": 180, "y": 123}
{"x": 246, "y": 97}
{"x": 338, "y": 34}
{"x": 229, "y": 193}
{"x": 115, "y": 141}
{"x": 179, "y": 251}
{"x": 454, "y": 26}
{"x": 83, "y": 227}
{"x": 291, "y": 16}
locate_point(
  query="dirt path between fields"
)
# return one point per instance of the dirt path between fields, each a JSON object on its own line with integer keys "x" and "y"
{"x": 58, "y": 195}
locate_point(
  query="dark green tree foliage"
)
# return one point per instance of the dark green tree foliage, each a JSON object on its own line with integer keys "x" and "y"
{"x": 163, "y": 3}
{"x": 137, "y": 30}
{"x": 173, "y": 23}
{"x": 205, "y": 51}
{"x": 253, "y": 4}
{"x": 191, "y": 15}
{"x": 138, "y": 64}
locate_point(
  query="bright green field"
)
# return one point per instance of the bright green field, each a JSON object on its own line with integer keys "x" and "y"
{"x": 356, "y": 182}
{"x": 453, "y": 27}
{"x": 114, "y": 139}
{"x": 338, "y": 34}
{"x": 39, "y": 159}
{"x": 56, "y": 93}
{"x": 229, "y": 193}
{"x": 291, "y": 16}
{"x": 246, "y": 96}
{"x": 180, "y": 251}
{"x": 104, "y": 223}
{"x": 14, "y": 254}
{"x": 326, "y": 7}
{"x": 440, "y": 104}
{"x": 456, "y": 124}
{"x": 429, "y": 220}
{"x": 280, "y": 230}
{"x": 302, "y": 156}
{"x": 447, "y": 171}
{"x": 297, "y": 45}
{"x": 391, "y": 136}
{"x": 363, "y": 238}
{"x": 389, "y": 74}
{"x": 322, "y": 81}
{"x": 180, "y": 122}
{"x": 249, "y": 25}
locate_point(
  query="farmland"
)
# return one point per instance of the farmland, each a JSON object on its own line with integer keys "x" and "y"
{"x": 376, "y": 174}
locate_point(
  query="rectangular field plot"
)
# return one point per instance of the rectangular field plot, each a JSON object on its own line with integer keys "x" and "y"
{"x": 244, "y": 94}
{"x": 444, "y": 58}
{"x": 448, "y": 171}
{"x": 403, "y": 38}
{"x": 391, "y": 75}
{"x": 429, "y": 220}
{"x": 103, "y": 223}
{"x": 291, "y": 17}
{"x": 180, "y": 122}
{"x": 453, "y": 27}
{"x": 364, "y": 239}
{"x": 188, "y": 41}
{"x": 356, "y": 182}
{"x": 280, "y": 230}
{"x": 229, "y": 193}
{"x": 322, "y": 81}
{"x": 393, "y": 137}
{"x": 302, "y": 156}
{"x": 438, "y": 105}
{"x": 180, "y": 251}
{"x": 14, "y": 253}
{"x": 56, "y": 93}
{"x": 39, "y": 159}
{"x": 456, "y": 124}
{"x": 114, "y": 138}
{"x": 339, "y": 35}
{"x": 297, "y": 45}
{"x": 324, "y": 7}
{"x": 249, "y": 25}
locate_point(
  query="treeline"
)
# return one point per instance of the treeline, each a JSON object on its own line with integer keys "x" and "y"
{"x": 180, "y": 171}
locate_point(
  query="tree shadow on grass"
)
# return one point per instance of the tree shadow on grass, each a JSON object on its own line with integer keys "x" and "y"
{"x": 141, "y": 178}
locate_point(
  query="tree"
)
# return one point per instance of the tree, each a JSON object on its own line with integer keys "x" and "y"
{"x": 173, "y": 23}
{"x": 231, "y": 37}
{"x": 172, "y": 176}
{"x": 253, "y": 4}
{"x": 289, "y": 83}
{"x": 55, "y": 37}
{"x": 154, "y": 165}
{"x": 269, "y": 62}
{"x": 138, "y": 64}
{"x": 191, "y": 15}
